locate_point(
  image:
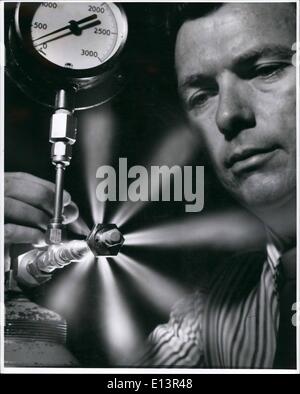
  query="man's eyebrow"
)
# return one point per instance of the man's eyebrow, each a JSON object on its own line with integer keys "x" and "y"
{"x": 250, "y": 56}
{"x": 253, "y": 54}
{"x": 195, "y": 80}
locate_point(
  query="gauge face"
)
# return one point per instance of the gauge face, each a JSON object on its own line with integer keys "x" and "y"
{"x": 78, "y": 36}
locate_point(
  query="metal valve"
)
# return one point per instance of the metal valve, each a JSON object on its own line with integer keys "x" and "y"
{"x": 105, "y": 240}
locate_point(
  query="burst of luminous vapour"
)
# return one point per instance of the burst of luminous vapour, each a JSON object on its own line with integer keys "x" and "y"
{"x": 67, "y": 291}
{"x": 160, "y": 291}
{"x": 97, "y": 128}
{"x": 177, "y": 148}
{"x": 229, "y": 231}
{"x": 79, "y": 227}
{"x": 122, "y": 337}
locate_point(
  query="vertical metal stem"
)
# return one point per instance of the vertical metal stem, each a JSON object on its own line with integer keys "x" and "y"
{"x": 59, "y": 185}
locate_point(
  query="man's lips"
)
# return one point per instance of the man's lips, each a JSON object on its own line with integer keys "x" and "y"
{"x": 250, "y": 157}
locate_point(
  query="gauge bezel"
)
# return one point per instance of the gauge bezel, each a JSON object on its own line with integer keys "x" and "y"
{"x": 23, "y": 20}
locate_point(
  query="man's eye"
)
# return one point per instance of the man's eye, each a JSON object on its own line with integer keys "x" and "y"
{"x": 269, "y": 71}
{"x": 197, "y": 100}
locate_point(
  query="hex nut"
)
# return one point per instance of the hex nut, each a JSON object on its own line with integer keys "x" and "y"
{"x": 63, "y": 127}
{"x": 61, "y": 149}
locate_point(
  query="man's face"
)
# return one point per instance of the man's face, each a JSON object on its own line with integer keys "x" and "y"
{"x": 238, "y": 86}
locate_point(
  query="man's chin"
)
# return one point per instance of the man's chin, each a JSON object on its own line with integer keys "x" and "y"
{"x": 263, "y": 191}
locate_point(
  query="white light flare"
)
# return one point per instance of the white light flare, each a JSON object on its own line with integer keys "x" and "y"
{"x": 122, "y": 335}
{"x": 79, "y": 227}
{"x": 160, "y": 291}
{"x": 228, "y": 231}
{"x": 176, "y": 150}
{"x": 67, "y": 291}
{"x": 97, "y": 131}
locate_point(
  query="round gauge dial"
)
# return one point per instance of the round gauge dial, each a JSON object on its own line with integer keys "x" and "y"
{"x": 78, "y": 36}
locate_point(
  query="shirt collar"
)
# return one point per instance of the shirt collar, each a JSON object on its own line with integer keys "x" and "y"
{"x": 274, "y": 249}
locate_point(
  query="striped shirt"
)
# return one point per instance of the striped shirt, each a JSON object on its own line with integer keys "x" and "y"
{"x": 234, "y": 324}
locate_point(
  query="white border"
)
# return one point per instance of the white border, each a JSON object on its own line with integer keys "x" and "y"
{"x": 137, "y": 371}
{"x": 298, "y": 178}
{"x": 2, "y": 308}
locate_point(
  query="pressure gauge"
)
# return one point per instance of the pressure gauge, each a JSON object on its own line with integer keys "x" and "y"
{"x": 80, "y": 36}
{"x": 68, "y": 45}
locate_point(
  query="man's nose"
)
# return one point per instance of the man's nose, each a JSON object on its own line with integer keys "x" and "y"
{"x": 235, "y": 112}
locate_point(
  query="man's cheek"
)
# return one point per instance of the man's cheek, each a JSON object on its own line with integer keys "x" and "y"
{"x": 276, "y": 119}
{"x": 280, "y": 104}
{"x": 215, "y": 145}
{"x": 288, "y": 111}
{"x": 282, "y": 124}
{"x": 209, "y": 136}
{"x": 212, "y": 140}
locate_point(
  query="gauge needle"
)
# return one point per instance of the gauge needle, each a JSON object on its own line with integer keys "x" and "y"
{"x": 70, "y": 26}
{"x": 92, "y": 24}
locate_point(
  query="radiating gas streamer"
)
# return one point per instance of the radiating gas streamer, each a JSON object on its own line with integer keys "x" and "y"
{"x": 177, "y": 148}
{"x": 122, "y": 336}
{"x": 97, "y": 130}
{"x": 228, "y": 231}
{"x": 159, "y": 290}
{"x": 79, "y": 227}
{"x": 67, "y": 291}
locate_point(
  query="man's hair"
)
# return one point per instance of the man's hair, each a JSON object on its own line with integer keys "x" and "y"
{"x": 179, "y": 13}
{"x": 175, "y": 15}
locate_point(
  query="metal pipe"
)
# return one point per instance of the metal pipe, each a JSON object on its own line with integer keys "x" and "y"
{"x": 64, "y": 99}
{"x": 57, "y": 256}
{"x": 61, "y": 99}
{"x": 59, "y": 185}
{"x": 36, "y": 266}
{"x": 62, "y": 137}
